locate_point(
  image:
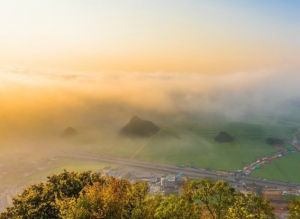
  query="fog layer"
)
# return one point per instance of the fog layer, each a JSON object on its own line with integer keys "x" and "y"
{"x": 47, "y": 102}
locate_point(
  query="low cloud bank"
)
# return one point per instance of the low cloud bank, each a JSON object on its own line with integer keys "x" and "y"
{"x": 31, "y": 100}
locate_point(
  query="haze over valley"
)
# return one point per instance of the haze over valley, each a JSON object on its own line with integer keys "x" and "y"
{"x": 210, "y": 88}
{"x": 46, "y": 116}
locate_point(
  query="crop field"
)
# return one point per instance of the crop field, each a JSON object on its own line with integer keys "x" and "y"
{"x": 285, "y": 169}
{"x": 184, "y": 141}
{"x": 192, "y": 143}
{"x": 195, "y": 146}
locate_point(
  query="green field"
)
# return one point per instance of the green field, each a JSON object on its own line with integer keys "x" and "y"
{"x": 186, "y": 142}
{"x": 182, "y": 141}
{"x": 190, "y": 142}
{"x": 193, "y": 144}
{"x": 286, "y": 169}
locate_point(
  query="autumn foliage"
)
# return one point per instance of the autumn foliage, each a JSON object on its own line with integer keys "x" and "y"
{"x": 87, "y": 195}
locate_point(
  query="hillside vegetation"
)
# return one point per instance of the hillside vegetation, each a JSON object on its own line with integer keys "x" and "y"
{"x": 89, "y": 195}
{"x": 140, "y": 128}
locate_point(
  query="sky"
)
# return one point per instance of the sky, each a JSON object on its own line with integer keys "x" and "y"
{"x": 173, "y": 36}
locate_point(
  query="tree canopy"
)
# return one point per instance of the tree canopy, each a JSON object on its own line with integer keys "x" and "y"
{"x": 294, "y": 209}
{"x": 87, "y": 195}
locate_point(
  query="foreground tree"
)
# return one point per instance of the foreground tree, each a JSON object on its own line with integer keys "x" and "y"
{"x": 39, "y": 201}
{"x": 115, "y": 198}
{"x": 294, "y": 209}
{"x": 222, "y": 201}
{"x": 71, "y": 195}
{"x": 215, "y": 197}
{"x": 249, "y": 206}
{"x": 178, "y": 207}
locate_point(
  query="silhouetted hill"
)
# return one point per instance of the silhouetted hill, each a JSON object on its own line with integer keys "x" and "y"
{"x": 224, "y": 137}
{"x": 140, "y": 128}
{"x": 69, "y": 132}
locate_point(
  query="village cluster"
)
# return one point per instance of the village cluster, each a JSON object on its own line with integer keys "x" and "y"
{"x": 165, "y": 183}
{"x": 159, "y": 182}
{"x": 281, "y": 151}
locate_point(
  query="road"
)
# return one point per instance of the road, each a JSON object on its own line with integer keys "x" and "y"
{"x": 194, "y": 173}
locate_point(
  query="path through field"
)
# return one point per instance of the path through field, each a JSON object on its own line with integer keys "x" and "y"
{"x": 259, "y": 163}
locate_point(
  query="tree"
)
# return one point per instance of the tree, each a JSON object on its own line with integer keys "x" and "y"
{"x": 106, "y": 200}
{"x": 215, "y": 197}
{"x": 87, "y": 195}
{"x": 39, "y": 201}
{"x": 294, "y": 209}
{"x": 116, "y": 198}
{"x": 222, "y": 201}
{"x": 178, "y": 207}
{"x": 250, "y": 207}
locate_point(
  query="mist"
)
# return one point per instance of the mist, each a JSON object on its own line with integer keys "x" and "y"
{"x": 47, "y": 102}
{"x": 37, "y": 106}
